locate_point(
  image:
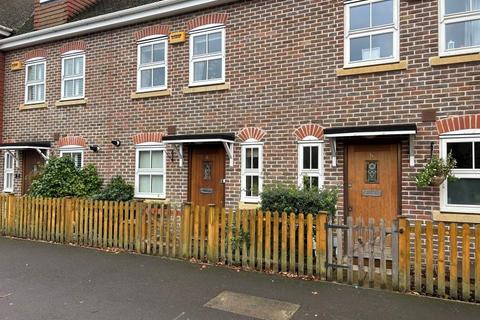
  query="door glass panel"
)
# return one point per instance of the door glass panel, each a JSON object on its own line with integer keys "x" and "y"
{"x": 372, "y": 172}
{"x": 144, "y": 159}
{"x": 464, "y": 192}
{"x": 463, "y": 153}
{"x": 207, "y": 170}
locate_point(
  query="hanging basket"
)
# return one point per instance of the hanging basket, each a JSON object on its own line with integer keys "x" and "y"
{"x": 437, "y": 181}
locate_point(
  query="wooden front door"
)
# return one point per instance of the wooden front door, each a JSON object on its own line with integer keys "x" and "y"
{"x": 373, "y": 181}
{"x": 31, "y": 164}
{"x": 207, "y": 175}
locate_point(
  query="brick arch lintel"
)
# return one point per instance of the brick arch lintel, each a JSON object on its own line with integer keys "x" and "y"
{"x": 36, "y": 53}
{"x": 309, "y": 130}
{"x": 251, "y": 133}
{"x": 72, "y": 141}
{"x": 72, "y": 46}
{"x": 458, "y": 123}
{"x": 146, "y": 137}
{"x": 156, "y": 30}
{"x": 213, "y": 18}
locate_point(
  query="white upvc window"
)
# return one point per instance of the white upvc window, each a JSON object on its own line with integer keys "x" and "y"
{"x": 8, "y": 172}
{"x": 252, "y": 168}
{"x": 150, "y": 172}
{"x": 462, "y": 194}
{"x": 372, "y": 33}
{"x": 73, "y": 75}
{"x": 310, "y": 163}
{"x": 35, "y": 81}
{"x": 459, "y": 27}
{"x": 207, "y": 55}
{"x": 152, "y": 71}
{"x": 75, "y": 153}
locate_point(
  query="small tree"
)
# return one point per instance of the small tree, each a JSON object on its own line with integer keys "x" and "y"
{"x": 117, "y": 190}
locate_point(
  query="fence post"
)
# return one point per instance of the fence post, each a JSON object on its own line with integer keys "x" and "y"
{"x": 11, "y": 215}
{"x": 403, "y": 246}
{"x": 138, "y": 227}
{"x": 69, "y": 220}
{"x": 211, "y": 234}
{"x": 185, "y": 218}
{"x": 322, "y": 244}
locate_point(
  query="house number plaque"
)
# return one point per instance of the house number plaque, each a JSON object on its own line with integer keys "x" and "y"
{"x": 206, "y": 190}
{"x": 372, "y": 193}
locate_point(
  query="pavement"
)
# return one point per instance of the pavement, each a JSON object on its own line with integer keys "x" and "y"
{"x": 42, "y": 281}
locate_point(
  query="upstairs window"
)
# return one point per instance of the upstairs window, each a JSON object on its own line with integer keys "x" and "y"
{"x": 75, "y": 153}
{"x": 461, "y": 194}
{"x": 207, "y": 55}
{"x": 35, "y": 81}
{"x": 9, "y": 172}
{"x": 252, "y": 166}
{"x": 73, "y": 76}
{"x": 459, "y": 26}
{"x": 371, "y": 32}
{"x": 150, "y": 177}
{"x": 310, "y": 163}
{"x": 152, "y": 65}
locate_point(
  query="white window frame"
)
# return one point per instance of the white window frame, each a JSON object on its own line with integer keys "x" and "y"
{"x": 138, "y": 172}
{"x": 150, "y": 41}
{"x": 72, "y": 55}
{"x": 31, "y": 63}
{"x": 459, "y": 173}
{"x": 251, "y": 143}
{"x": 73, "y": 149}
{"x": 453, "y": 18}
{"x": 319, "y": 173}
{"x": 348, "y": 35}
{"x": 201, "y": 31}
{"x": 7, "y": 171}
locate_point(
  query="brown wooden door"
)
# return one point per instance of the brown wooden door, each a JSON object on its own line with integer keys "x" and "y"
{"x": 373, "y": 181}
{"x": 31, "y": 164}
{"x": 207, "y": 174}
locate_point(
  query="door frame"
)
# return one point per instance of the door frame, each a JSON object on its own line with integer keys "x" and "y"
{"x": 24, "y": 154}
{"x": 190, "y": 158}
{"x": 360, "y": 141}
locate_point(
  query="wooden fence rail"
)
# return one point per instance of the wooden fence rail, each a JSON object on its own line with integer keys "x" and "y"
{"x": 432, "y": 258}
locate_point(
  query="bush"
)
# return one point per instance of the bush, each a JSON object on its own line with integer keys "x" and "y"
{"x": 293, "y": 199}
{"x": 60, "y": 178}
{"x": 116, "y": 190}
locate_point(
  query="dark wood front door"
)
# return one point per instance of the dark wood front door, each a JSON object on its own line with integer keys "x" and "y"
{"x": 207, "y": 174}
{"x": 373, "y": 181}
{"x": 31, "y": 164}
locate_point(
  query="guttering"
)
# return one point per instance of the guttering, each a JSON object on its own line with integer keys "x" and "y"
{"x": 109, "y": 21}
{"x": 5, "y": 32}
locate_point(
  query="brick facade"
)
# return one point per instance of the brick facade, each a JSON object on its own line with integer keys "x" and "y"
{"x": 282, "y": 57}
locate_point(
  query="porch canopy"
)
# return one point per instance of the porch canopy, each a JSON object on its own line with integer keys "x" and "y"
{"x": 39, "y": 146}
{"x": 407, "y": 130}
{"x": 227, "y": 139}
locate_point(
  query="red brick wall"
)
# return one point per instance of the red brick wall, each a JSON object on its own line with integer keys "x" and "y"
{"x": 281, "y": 62}
{"x": 2, "y": 90}
{"x": 49, "y": 14}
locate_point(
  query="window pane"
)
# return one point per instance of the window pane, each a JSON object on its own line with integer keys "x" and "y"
{"x": 158, "y": 77}
{"x": 255, "y": 159}
{"x": 159, "y": 52}
{"x": 360, "y": 17}
{"x": 157, "y": 159}
{"x": 255, "y": 186}
{"x": 144, "y": 184}
{"x": 69, "y": 67}
{"x": 31, "y": 73}
{"x": 199, "y": 45}
{"x": 463, "y": 153}
{"x": 9, "y": 180}
{"x": 314, "y": 157}
{"x": 40, "y": 72}
{"x": 464, "y": 191}
{"x": 215, "y": 42}
{"x": 306, "y": 157}
{"x": 31, "y": 93}
{"x": 200, "y": 71}
{"x": 382, "y": 46}
{"x": 360, "y": 48}
{"x": 477, "y": 155}
{"x": 77, "y": 159}
{"x": 39, "y": 92}
{"x": 314, "y": 182}
{"x": 215, "y": 69}
{"x": 456, "y": 6}
{"x": 69, "y": 88}
{"x": 79, "y": 66}
{"x": 146, "y": 54}
{"x": 248, "y": 156}
{"x": 382, "y": 13}
{"x": 146, "y": 78}
{"x": 462, "y": 34}
{"x": 157, "y": 184}
{"x": 144, "y": 159}
{"x": 78, "y": 87}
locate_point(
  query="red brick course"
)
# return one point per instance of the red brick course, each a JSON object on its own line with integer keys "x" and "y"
{"x": 72, "y": 141}
{"x": 148, "y": 137}
{"x": 213, "y": 18}
{"x": 450, "y": 124}
{"x": 36, "y": 53}
{"x": 251, "y": 133}
{"x": 312, "y": 130}
{"x": 152, "y": 31}
{"x": 73, "y": 46}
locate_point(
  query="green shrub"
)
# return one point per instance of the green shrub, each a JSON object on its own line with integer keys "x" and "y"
{"x": 60, "y": 178}
{"x": 293, "y": 199}
{"x": 116, "y": 190}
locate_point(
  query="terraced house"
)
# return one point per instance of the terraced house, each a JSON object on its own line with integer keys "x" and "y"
{"x": 211, "y": 101}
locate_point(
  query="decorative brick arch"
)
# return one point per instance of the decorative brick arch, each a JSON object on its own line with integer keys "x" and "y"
{"x": 251, "y": 133}
{"x": 451, "y": 124}
{"x": 36, "y": 53}
{"x": 213, "y": 18}
{"x": 72, "y": 141}
{"x": 156, "y": 30}
{"x": 309, "y": 130}
{"x": 145, "y": 137}
{"x": 71, "y": 46}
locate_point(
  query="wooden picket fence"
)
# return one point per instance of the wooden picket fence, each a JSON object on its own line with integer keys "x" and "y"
{"x": 432, "y": 258}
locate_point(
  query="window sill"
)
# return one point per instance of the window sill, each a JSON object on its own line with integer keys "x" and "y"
{"x": 456, "y": 217}
{"x": 155, "y": 201}
{"x": 248, "y": 206}
{"x": 151, "y": 94}
{"x": 402, "y": 65}
{"x": 68, "y": 103}
{"x": 464, "y": 58}
{"x": 217, "y": 87}
{"x": 33, "y": 106}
